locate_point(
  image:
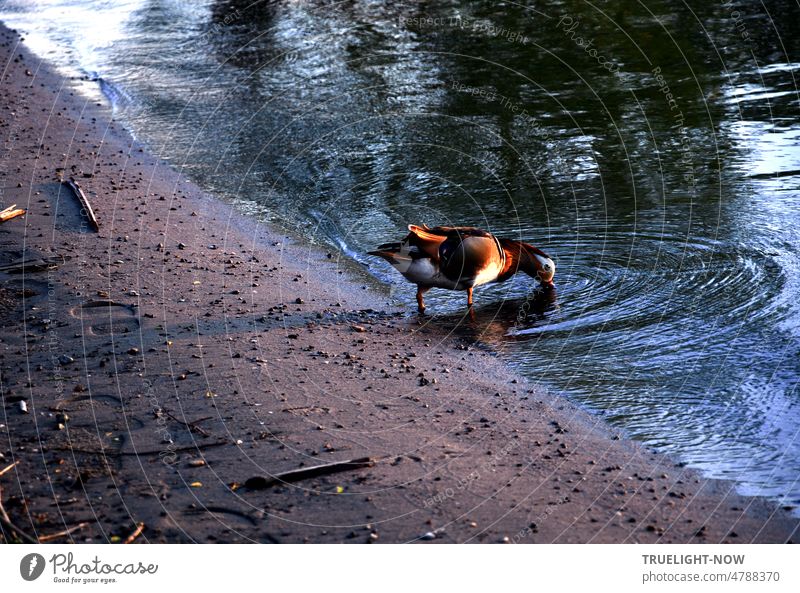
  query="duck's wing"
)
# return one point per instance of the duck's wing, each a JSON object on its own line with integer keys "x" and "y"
{"x": 422, "y": 240}
{"x": 463, "y": 253}
{"x": 441, "y": 242}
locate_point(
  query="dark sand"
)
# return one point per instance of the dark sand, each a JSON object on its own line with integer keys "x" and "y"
{"x": 257, "y": 355}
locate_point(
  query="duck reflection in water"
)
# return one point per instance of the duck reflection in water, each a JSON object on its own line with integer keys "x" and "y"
{"x": 499, "y": 322}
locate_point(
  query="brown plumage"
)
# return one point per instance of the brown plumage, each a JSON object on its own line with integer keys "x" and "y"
{"x": 460, "y": 258}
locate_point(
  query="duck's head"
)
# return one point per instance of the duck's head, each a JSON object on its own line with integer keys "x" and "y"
{"x": 537, "y": 264}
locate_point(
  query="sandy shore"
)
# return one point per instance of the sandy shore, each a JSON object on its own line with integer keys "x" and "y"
{"x": 184, "y": 349}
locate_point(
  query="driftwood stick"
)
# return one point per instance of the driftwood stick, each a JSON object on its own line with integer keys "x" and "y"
{"x": 52, "y": 536}
{"x": 11, "y": 212}
{"x": 260, "y": 482}
{"x": 104, "y": 303}
{"x": 84, "y": 202}
{"x": 9, "y": 526}
{"x": 136, "y": 533}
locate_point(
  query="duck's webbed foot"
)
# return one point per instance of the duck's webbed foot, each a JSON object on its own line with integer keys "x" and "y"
{"x": 420, "y": 301}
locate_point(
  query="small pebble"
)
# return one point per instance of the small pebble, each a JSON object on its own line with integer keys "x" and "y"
{"x": 429, "y": 536}
{"x": 23, "y": 407}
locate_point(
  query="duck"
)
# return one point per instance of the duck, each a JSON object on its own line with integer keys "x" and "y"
{"x": 461, "y": 258}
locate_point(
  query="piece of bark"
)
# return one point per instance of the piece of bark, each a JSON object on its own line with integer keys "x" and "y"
{"x": 104, "y": 303}
{"x": 11, "y": 212}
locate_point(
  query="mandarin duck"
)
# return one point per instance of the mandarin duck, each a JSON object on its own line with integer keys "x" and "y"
{"x": 461, "y": 258}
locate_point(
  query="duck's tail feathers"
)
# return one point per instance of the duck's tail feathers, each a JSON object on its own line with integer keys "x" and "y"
{"x": 387, "y": 255}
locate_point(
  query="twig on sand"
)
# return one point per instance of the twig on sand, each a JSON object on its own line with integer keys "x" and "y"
{"x": 9, "y": 526}
{"x": 165, "y": 451}
{"x": 11, "y": 212}
{"x": 52, "y": 536}
{"x": 192, "y": 426}
{"x": 5, "y": 470}
{"x": 305, "y": 409}
{"x": 5, "y": 520}
{"x": 136, "y": 533}
{"x": 84, "y": 202}
{"x": 261, "y": 482}
{"x": 223, "y": 510}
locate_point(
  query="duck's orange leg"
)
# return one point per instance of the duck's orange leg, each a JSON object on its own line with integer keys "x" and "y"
{"x": 420, "y": 301}
{"x": 469, "y": 297}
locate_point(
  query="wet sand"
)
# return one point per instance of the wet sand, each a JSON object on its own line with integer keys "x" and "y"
{"x": 184, "y": 349}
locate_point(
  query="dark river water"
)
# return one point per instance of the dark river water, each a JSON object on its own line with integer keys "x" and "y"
{"x": 651, "y": 148}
